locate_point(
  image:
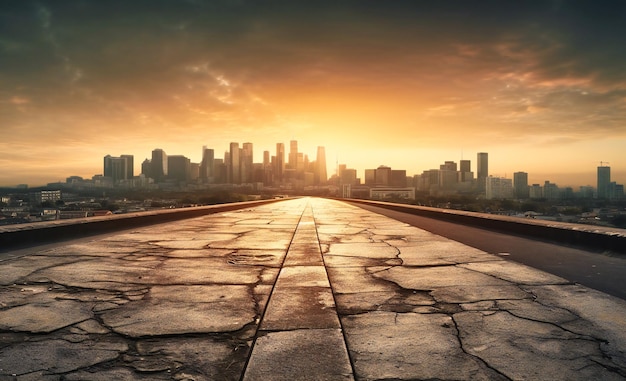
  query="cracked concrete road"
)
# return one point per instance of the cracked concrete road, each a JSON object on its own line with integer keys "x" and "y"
{"x": 304, "y": 289}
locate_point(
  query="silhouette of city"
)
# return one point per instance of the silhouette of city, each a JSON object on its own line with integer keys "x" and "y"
{"x": 293, "y": 172}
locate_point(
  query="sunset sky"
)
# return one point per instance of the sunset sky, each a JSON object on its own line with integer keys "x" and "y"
{"x": 539, "y": 85}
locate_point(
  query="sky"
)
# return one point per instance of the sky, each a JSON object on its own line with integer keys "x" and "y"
{"x": 540, "y": 85}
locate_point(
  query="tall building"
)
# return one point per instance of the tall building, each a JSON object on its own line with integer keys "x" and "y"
{"x": 130, "y": 166}
{"x": 234, "y": 164}
{"x": 279, "y": 171}
{"x": 158, "y": 165}
{"x": 246, "y": 161}
{"x": 117, "y": 168}
{"x": 604, "y": 181}
{"x": 293, "y": 154}
{"x": 482, "y": 169}
{"x": 498, "y": 188}
{"x": 520, "y": 184}
{"x": 178, "y": 168}
{"x": 321, "y": 175}
{"x": 206, "y": 165}
{"x": 383, "y": 175}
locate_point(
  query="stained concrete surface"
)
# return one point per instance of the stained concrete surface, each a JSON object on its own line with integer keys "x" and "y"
{"x": 307, "y": 289}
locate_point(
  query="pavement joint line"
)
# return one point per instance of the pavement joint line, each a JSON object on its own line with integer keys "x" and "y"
{"x": 258, "y": 331}
{"x": 305, "y": 232}
{"x": 343, "y": 331}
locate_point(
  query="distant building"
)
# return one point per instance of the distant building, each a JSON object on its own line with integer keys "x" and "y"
{"x": 383, "y": 175}
{"x": 551, "y": 191}
{"x": 482, "y": 170}
{"x": 233, "y": 165}
{"x": 321, "y": 175}
{"x": 520, "y": 183}
{"x": 158, "y": 165}
{"x": 498, "y": 188}
{"x": 178, "y": 168}
{"x": 51, "y": 196}
{"x": 387, "y": 193}
{"x": 604, "y": 181}
{"x": 118, "y": 168}
{"x": 207, "y": 164}
{"x": 246, "y": 163}
{"x": 535, "y": 191}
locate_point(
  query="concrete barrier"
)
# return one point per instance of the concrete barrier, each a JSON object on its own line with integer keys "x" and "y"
{"x": 30, "y": 234}
{"x": 593, "y": 237}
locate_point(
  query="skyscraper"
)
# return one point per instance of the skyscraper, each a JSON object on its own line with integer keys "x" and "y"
{"x": 604, "y": 181}
{"x": 116, "y": 168}
{"x": 206, "y": 166}
{"x": 246, "y": 163}
{"x": 235, "y": 166}
{"x": 130, "y": 166}
{"x": 279, "y": 171}
{"x": 520, "y": 185}
{"x": 158, "y": 165}
{"x": 178, "y": 168}
{"x": 482, "y": 169}
{"x": 321, "y": 177}
{"x": 293, "y": 154}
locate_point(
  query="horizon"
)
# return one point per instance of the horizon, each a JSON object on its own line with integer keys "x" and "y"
{"x": 576, "y": 179}
{"x": 539, "y": 85}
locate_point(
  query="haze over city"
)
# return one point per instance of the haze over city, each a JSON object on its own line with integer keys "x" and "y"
{"x": 540, "y": 85}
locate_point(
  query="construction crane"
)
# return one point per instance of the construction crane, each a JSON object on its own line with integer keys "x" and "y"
{"x": 604, "y": 162}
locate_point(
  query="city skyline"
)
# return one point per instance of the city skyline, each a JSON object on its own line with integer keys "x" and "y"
{"x": 539, "y": 85}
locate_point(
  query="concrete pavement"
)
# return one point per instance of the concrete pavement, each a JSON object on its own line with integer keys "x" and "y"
{"x": 305, "y": 289}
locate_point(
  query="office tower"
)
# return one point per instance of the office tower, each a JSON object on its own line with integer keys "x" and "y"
{"x": 348, "y": 176}
{"x": 130, "y": 166}
{"x": 321, "y": 176}
{"x": 246, "y": 162}
{"x": 398, "y": 178}
{"x": 116, "y": 168}
{"x": 146, "y": 167}
{"x": 234, "y": 164}
{"x": 383, "y": 175}
{"x": 482, "y": 169}
{"x": 293, "y": 154}
{"x": 279, "y": 171}
{"x": 520, "y": 184}
{"x": 498, "y": 188}
{"x": 266, "y": 159}
{"x": 158, "y": 165}
{"x": 466, "y": 166}
{"x": 206, "y": 165}
{"x": 178, "y": 168}
{"x": 604, "y": 181}
{"x": 466, "y": 173}
{"x": 370, "y": 177}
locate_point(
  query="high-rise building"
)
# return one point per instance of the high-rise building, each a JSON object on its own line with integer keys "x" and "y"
{"x": 117, "y": 168}
{"x": 321, "y": 175}
{"x": 383, "y": 175}
{"x": 206, "y": 165}
{"x": 178, "y": 168}
{"x": 234, "y": 164}
{"x": 293, "y": 154}
{"x": 246, "y": 163}
{"x": 498, "y": 188}
{"x": 482, "y": 169}
{"x": 397, "y": 178}
{"x": 158, "y": 165}
{"x": 279, "y": 171}
{"x": 130, "y": 166}
{"x": 465, "y": 173}
{"x": 370, "y": 177}
{"x": 604, "y": 181}
{"x": 520, "y": 184}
